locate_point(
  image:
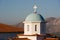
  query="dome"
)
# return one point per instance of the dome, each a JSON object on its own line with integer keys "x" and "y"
{"x": 34, "y": 17}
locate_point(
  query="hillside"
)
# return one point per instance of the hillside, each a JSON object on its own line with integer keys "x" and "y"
{"x": 53, "y": 25}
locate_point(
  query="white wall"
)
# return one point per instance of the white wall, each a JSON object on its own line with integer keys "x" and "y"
{"x": 31, "y": 28}
{"x": 29, "y": 37}
{"x": 41, "y": 28}
{"x": 25, "y": 29}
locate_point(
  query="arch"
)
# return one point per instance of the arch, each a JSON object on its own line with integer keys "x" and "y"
{"x": 35, "y": 27}
{"x": 27, "y": 27}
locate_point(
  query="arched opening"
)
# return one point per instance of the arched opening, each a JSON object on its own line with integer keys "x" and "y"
{"x": 27, "y": 27}
{"x": 35, "y": 27}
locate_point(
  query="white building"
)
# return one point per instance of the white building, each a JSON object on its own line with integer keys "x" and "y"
{"x": 34, "y": 26}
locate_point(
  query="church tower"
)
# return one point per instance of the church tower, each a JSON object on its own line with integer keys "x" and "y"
{"x": 34, "y": 23}
{"x": 34, "y": 26}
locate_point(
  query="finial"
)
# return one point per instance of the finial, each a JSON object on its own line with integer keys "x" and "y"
{"x": 35, "y": 8}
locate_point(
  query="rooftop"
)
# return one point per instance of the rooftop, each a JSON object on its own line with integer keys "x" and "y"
{"x": 9, "y": 28}
{"x": 19, "y": 39}
{"x": 34, "y": 17}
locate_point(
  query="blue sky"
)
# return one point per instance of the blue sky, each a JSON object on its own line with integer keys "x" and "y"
{"x": 14, "y": 11}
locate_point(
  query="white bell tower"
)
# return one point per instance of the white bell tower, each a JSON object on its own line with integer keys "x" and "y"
{"x": 34, "y": 24}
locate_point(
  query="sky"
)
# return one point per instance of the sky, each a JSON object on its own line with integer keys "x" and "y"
{"x": 14, "y": 11}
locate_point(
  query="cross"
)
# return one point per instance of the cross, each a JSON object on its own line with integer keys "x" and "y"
{"x": 35, "y": 8}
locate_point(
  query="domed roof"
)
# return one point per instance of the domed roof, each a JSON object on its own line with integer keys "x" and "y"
{"x": 34, "y": 17}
